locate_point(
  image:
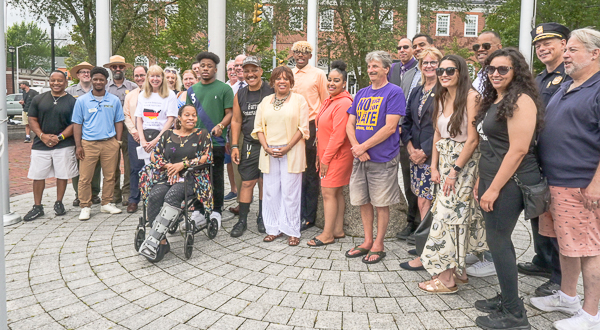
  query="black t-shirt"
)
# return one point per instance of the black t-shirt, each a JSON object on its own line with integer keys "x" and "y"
{"x": 53, "y": 118}
{"x": 248, "y": 102}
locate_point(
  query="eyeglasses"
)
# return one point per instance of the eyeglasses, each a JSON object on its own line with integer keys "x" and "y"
{"x": 432, "y": 63}
{"x": 485, "y": 46}
{"x": 84, "y": 72}
{"x": 170, "y": 71}
{"x": 502, "y": 70}
{"x": 421, "y": 45}
{"x": 403, "y": 47}
{"x": 449, "y": 71}
{"x": 115, "y": 67}
{"x": 296, "y": 52}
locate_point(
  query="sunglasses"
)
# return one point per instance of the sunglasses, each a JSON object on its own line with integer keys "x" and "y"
{"x": 484, "y": 46}
{"x": 403, "y": 47}
{"x": 449, "y": 71}
{"x": 170, "y": 71}
{"x": 115, "y": 67}
{"x": 432, "y": 63}
{"x": 502, "y": 70}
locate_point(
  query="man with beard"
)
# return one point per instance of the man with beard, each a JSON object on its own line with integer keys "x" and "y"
{"x": 311, "y": 83}
{"x": 120, "y": 87}
{"x": 129, "y": 106}
{"x": 213, "y": 100}
{"x": 98, "y": 119}
{"x": 487, "y": 43}
{"x": 53, "y": 150}
{"x": 244, "y": 110}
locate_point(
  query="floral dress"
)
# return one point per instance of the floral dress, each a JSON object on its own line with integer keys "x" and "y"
{"x": 197, "y": 144}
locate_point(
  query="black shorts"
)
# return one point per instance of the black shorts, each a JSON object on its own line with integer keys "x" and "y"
{"x": 250, "y": 155}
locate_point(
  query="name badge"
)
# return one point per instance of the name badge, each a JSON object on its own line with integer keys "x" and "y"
{"x": 92, "y": 110}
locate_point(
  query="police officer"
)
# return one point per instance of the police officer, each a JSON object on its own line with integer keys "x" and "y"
{"x": 549, "y": 40}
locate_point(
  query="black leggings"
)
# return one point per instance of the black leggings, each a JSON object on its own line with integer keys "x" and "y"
{"x": 162, "y": 193}
{"x": 499, "y": 225}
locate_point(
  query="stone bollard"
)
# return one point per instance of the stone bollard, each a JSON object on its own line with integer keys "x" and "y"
{"x": 353, "y": 221}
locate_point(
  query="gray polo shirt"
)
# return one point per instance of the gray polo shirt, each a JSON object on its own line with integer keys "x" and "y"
{"x": 122, "y": 90}
{"x": 76, "y": 90}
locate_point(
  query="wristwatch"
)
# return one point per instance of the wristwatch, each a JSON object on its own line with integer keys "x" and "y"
{"x": 457, "y": 169}
{"x": 221, "y": 126}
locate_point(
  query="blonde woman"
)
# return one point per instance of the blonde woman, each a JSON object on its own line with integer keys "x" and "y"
{"x": 173, "y": 79}
{"x": 156, "y": 108}
{"x": 189, "y": 79}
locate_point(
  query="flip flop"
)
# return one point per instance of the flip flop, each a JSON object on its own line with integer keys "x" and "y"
{"x": 362, "y": 252}
{"x": 381, "y": 255}
{"x": 436, "y": 286}
{"x": 318, "y": 242}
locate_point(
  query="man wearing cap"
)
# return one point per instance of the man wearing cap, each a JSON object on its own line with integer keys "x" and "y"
{"x": 311, "y": 83}
{"x": 550, "y": 41}
{"x": 82, "y": 72}
{"x": 247, "y": 155}
{"x": 120, "y": 86}
{"x": 28, "y": 95}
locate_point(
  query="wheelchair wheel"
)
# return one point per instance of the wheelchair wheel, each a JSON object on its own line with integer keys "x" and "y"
{"x": 140, "y": 237}
{"x": 189, "y": 246}
{"x": 212, "y": 229}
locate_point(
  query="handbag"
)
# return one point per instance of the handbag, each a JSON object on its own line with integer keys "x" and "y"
{"x": 422, "y": 232}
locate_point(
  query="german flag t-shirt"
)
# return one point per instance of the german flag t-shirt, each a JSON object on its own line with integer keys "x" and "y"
{"x": 155, "y": 110}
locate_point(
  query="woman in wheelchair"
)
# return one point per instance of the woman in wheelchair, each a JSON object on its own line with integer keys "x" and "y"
{"x": 162, "y": 182}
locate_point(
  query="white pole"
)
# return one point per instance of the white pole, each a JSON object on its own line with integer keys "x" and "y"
{"x": 526, "y": 25}
{"x": 217, "y": 22}
{"x": 274, "y": 51}
{"x": 412, "y": 18}
{"x": 17, "y": 69}
{"x": 312, "y": 35}
{"x": 103, "y": 32}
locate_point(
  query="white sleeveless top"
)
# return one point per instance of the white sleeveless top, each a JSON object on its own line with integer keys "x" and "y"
{"x": 442, "y": 125}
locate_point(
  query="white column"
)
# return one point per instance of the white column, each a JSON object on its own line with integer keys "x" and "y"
{"x": 103, "y": 34}
{"x": 412, "y": 18}
{"x": 526, "y": 25}
{"x": 217, "y": 22}
{"x": 312, "y": 35}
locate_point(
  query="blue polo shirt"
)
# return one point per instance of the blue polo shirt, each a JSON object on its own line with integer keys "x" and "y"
{"x": 98, "y": 117}
{"x": 569, "y": 144}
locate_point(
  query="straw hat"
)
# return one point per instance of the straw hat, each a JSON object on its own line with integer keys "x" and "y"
{"x": 118, "y": 60}
{"x": 82, "y": 65}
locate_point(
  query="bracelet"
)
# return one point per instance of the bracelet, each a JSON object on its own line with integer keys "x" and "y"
{"x": 221, "y": 126}
{"x": 234, "y": 146}
{"x": 41, "y": 135}
{"x": 452, "y": 177}
{"x": 185, "y": 164}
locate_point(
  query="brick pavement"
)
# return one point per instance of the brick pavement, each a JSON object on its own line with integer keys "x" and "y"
{"x": 66, "y": 274}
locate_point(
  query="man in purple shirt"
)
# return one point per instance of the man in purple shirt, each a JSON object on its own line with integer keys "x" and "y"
{"x": 375, "y": 137}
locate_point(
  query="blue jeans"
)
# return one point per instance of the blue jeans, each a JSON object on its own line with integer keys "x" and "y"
{"x": 135, "y": 166}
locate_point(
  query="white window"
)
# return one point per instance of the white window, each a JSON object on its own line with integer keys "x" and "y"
{"x": 268, "y": 13}
{"x": 297, "y": 18}
{"x": 386, "y": 17}
{"x": 141, "y": 60}
{"x": 170, "y": 11}
{"x": 442, "y": 26}
{"x": 471, "y": 25}
{"x": 326, "y": 20}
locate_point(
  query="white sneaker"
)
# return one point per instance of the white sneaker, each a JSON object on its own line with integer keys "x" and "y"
{"x": 581, "y": 321}
{"x": 110, "y": 208}
{"x": 482, "y": 269}
{"x": 216, "y": 215}
{"x": 85, "y": 213}
{"x": 556, "y": 302}
{"x": 199, "y": 218}
{"x": 471, "y": 259}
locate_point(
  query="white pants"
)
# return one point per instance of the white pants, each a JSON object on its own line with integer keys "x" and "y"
{"x": 281, "y": 199}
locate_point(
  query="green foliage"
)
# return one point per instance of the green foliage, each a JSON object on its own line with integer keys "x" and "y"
{"x": 30, "y": 57}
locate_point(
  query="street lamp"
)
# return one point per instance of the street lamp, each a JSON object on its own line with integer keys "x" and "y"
{"x": 52, "y": 21}
{"x": 11, "y": 50}
{"x": 329, "y": 42}
{"x": 18, "y": 59}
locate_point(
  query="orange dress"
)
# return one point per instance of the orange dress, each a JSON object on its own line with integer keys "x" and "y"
{"x": 333, "y": 146}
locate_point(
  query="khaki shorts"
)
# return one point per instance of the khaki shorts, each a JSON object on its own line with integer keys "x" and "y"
{"x": 375, "y": 183}
{"x": 57, "y": 163}
{"x": 25, "y": 118}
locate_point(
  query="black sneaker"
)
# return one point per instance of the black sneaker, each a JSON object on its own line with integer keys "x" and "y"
{"x": 503, "y": 319}
{"x": 489, "y": 305}
{"x": 238, "y": 229}
{"x": 96, "y": 200}
{"x": 59, "y": 208}
{"x": 76, "y": 202}
{"x": 409, "y": 229}
{"x": 260, "y": 224}
{"x": 36, "y": 212}
{"x": 27, "y": 140}
{"x": 547, "y": 289}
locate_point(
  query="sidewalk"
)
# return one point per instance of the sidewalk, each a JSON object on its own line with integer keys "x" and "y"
{"x": 63, "y": 273}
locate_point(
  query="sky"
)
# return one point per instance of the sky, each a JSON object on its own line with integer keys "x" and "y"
{"x": 14, "y": 15}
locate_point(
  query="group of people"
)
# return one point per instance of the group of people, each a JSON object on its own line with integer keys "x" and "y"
{"x": 464, "y": 147}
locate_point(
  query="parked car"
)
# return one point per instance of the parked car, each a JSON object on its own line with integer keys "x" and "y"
{"x": 13, "y": 106}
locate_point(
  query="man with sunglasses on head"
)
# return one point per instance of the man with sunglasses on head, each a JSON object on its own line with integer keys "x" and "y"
{"x": 487, "y": 43}
{"x": 120, "y": 86}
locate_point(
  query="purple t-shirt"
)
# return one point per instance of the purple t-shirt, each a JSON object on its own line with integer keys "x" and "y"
{"x": 370, "y": 107}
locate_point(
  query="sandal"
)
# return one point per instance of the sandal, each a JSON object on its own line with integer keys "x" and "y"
{"x": 459, "y": 280}
{"x": 362, "y": 252}
{"x": 317, "y": 242}
{"x": 293, "y": 241}
{"x": 271, "y": 238}
{"x": 436, "y": 286}
{"x": 380, "y": 254}
{"x": 338, "y": 237}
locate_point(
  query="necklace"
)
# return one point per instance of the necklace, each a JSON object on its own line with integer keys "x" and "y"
{"x": 183, "y": 142}
{"x": 278, "y": 103}
{"x": 56, "y": 98}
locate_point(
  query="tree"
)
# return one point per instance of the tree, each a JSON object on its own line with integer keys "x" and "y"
{"x": 30, "y": 57}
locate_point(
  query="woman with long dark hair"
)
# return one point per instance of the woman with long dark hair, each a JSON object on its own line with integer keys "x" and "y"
{"x": 456, "y": 228}
{"x": 508, "y": 117}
